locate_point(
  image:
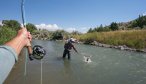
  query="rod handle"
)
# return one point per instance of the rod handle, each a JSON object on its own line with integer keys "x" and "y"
{"x": 30, "y": 51}
{"x": 29, "y": 48}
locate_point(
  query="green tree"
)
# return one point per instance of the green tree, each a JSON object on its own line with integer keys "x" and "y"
{"x": 57, "y": 35}
{"x": 95, "y": 29}
{"x": 90, "y": 30}
{"x": 75, "y": 33}
{"x": 114, "y": 26}
{"x": 13, "y": 24}
{"x": 106, "y": 29}
{"x": 141, "y": 21}
{"x": 31, "y": 27}
{"x": 100, "y": 29}
{"x": 6, "y": 34}
{"x": 0, "y": 27}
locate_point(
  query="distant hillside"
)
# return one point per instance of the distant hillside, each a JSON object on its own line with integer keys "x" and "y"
{"x": 138, "y": 23}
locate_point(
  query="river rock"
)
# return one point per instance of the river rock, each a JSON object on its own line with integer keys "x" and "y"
{"x": 106, "y": 45}
{"x": 121, "y": 47}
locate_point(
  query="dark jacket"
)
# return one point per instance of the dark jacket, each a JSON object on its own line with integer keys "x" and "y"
{"x": 68, "y": 46}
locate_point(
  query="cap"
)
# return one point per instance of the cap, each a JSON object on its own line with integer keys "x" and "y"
{"x": 72, "y": 40}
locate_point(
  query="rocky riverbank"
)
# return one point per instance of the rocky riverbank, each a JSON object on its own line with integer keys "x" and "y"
{"x": 95, "y": 43}
{"x": 120, "y": 47}
{"x": 40, "y": 36}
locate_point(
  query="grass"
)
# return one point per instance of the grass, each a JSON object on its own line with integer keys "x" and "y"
{"x": 131, "y": 38}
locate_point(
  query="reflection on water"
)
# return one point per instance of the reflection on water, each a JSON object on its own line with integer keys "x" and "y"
{"x": 108, "y": 66}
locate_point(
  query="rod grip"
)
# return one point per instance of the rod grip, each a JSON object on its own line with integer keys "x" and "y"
{"x": 29, "y": 48}
{"x": 30, "y": 52}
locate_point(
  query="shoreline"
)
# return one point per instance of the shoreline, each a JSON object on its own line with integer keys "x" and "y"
{"x": 120, "y": 47}
{"x": 95, "y": 43}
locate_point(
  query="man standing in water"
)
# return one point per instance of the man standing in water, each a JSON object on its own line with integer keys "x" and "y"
{"x": 67, "y": 48}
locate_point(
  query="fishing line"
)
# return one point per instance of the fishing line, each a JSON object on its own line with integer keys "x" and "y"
{"x": 25, "y": 63}
{"x": 41, "y": 71}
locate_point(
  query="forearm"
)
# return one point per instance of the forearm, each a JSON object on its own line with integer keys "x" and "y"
{"x": 75, "y": 49}
{"x": 17, "y": 44}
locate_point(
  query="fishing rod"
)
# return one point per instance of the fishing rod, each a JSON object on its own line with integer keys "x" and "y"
{"x": 37, "y": 52}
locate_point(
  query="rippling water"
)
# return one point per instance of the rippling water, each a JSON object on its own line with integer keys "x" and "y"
{"x": 108, "y": 66}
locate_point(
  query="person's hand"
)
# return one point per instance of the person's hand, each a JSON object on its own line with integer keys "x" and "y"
{"x": 23, "y": 33}
{"x": 22, "y": 39}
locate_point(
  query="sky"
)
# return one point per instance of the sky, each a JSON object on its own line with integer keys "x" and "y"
{"x": 72, "y": 15}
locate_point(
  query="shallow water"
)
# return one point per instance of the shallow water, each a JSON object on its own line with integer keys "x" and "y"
{"x": 108, "y": 66}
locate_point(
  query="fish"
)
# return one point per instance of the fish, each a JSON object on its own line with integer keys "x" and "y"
{"x": 87, "y": 59}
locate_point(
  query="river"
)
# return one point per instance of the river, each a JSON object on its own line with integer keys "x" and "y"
{"x": 108, "y": 66}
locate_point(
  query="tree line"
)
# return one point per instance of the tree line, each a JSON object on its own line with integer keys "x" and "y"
{"x": 138, "y": 23}
{"x": 9, "y": 29}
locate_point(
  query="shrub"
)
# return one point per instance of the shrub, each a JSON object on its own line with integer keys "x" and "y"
{"x": 6, "y": 34}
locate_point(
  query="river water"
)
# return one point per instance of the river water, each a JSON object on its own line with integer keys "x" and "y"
{"x": 108, "y": 66}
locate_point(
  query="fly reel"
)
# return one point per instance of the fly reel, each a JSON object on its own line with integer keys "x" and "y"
{"x": 38, "y": 53}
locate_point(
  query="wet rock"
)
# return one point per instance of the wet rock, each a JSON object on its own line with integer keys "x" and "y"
{"x": 106, "y": 45}
{"x": 121, "y": 47}
{"x": 144, "y": 50}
